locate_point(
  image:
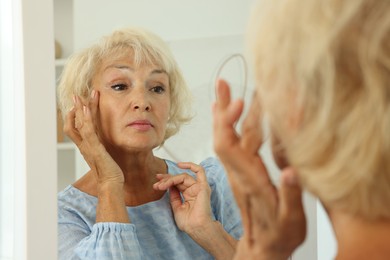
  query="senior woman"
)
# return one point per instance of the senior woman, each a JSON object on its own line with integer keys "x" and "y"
{"x": 121, "y": 98}
{"x": 323, "y": 81}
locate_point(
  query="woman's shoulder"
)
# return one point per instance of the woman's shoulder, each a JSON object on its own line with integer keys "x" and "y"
{"x": 214, "y": 169}
{"x": 76, "y": 207}
{"x": 215, "y": 172}
{"x": 212, "y": 164}
{"x": 72, "y": 197}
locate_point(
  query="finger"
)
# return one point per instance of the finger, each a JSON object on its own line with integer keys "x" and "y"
{"x": 181, "y": 181}
{"x": 224, "y": 103}
{"x": 197, "y": 169}
{"x": 292, "y": 217}
{"x": 93, "y": 107}
{"x": 290, "y": 194}
{"x": 223, "y": 93}
{"x": 88, "y": 131}
{"x": 175, "y": 198}
{"x": 85, "y": 121}
{"x": 252, "y": 134}
{"x": 93, "y": 102}
{"x": 224, "y": 120}
{"x": 161, "y": 176}
{"x": 69, "y": 127}
{"x": 79, "y": 114}
{"x": 225, "y": 115}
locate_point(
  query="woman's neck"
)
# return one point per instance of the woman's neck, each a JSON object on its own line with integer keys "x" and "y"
{"x": 358, "y": 238}
{"x": 139, "y": 170}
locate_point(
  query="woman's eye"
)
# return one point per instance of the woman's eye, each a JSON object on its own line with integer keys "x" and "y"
{"x": 119, "y": 87}
{"x": 158, "y": 89}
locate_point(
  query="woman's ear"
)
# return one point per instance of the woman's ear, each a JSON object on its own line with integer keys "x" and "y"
{"x": 284, "y": 126}
{"x": 278, "y": 152}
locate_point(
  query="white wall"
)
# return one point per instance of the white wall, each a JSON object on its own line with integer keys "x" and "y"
{"x": 37, "y": 175}
{"x": 171, "y": 19}
{"x": 326, "y": 241}
{"x": 6, "y": 133}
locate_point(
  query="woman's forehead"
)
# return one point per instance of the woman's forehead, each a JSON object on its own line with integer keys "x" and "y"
{"x": 128, "y": 57}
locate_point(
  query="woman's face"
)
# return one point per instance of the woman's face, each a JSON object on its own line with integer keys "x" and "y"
{"x": 134, "y": 103}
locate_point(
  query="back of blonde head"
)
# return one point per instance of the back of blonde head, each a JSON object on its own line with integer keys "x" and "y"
{"x": 329, "y": 62}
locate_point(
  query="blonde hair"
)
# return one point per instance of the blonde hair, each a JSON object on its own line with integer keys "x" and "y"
{"x": 329, "y": 60}
{"x": 147, "y": 48}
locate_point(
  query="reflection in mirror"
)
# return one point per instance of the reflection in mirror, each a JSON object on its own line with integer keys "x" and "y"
{"x": 199, "y": 38}
{"x": 137, "y": 99}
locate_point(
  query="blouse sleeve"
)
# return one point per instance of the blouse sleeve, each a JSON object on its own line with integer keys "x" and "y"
{"x": 223, "y": 203}
{"x": 106, "y": 240}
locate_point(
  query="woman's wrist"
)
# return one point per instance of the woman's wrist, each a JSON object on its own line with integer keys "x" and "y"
{"x": 111, "y": 204}
{"x": 109, "y": 187}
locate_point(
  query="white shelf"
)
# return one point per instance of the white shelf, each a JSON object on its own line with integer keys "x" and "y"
{"x": 67, "y": 151}
{"x": 66, "y": 146}
{"x": 60, "y": 62}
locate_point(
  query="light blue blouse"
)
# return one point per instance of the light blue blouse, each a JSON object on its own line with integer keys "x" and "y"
{"x": 152, "y": 234}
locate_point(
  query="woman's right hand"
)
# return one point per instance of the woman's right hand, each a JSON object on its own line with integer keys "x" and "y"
{"x": 80, "y": 126}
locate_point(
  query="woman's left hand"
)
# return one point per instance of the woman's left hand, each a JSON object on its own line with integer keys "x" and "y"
{"x": 273, "y": 217}
{"x": 192, "y": 214}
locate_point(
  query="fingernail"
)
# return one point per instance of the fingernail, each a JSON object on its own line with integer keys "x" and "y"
{"x": 85, "y": 110}
{"x": 74, "y": 99}
{"x": 93, "y": 93}
{"x": 291, "y": 178}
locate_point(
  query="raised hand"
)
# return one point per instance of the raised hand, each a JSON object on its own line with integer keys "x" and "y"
{"x": 195, "y": 211}
{"x": 193, "y": 215}
{"x": 80, "y": 126}
{"x": 273, "y": 219}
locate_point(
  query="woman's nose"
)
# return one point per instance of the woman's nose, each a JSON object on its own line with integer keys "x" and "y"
{"x": 142, "y": 107}
{"x": 140, "y": 100}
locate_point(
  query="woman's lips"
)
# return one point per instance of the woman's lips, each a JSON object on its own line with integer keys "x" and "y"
{"x": 142, "y": 125}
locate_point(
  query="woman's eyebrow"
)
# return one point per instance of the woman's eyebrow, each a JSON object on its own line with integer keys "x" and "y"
{"x": 158, "y": 71}
{"x": 119, "y": 66}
